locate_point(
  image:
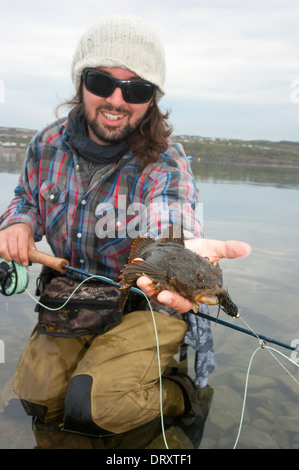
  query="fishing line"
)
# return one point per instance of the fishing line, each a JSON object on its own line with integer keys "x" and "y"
{"x": 14, "y": 279}
{"x": 261, "y": 341}
{"x": 244, "y": 399}
{"x": 67, "y": 300}
{"x": 263, "y": 345}
{"x": 103, "y": 278}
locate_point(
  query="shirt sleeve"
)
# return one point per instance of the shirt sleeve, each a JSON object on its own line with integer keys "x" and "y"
{"x": 170, "y": 196}
{"x": 24, "y": 205}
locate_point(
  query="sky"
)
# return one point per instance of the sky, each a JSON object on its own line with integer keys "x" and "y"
{"x": 232, "y": 66}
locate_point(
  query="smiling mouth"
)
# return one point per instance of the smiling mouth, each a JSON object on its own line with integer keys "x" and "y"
{"x": 113, "y": 117}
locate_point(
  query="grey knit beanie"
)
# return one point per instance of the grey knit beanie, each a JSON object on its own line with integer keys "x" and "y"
{"x": 123, "y": 41}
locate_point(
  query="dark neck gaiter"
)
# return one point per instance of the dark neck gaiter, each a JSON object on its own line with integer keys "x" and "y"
{"x": 78, "y": 138}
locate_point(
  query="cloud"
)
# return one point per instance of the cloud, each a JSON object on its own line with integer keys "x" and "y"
{"x": 233, "y": 55}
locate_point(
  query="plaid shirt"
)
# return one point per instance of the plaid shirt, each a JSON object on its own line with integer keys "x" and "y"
{"x": 58, "y": 198}
{"x": 86, "y": 219}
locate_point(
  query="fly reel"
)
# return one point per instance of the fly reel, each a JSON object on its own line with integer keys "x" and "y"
{"x": 13, "y": 277}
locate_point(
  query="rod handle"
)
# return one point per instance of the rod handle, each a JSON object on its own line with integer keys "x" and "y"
{"x": 48, "y": 260}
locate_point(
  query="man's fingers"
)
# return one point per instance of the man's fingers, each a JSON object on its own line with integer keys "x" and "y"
{"x": 215, "y": 250}
{"x": 236, "y": 249}
{"x": 175, "y": 301}
{"x": 15, "y": 242}
{"x": 165, "y": 297}
{"x": 23, "y": 252}
{"x": 145, "y": 284}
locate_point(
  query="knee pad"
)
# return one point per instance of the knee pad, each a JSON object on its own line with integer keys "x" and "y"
{"x": 77, "y": 410}
{"x": 32, "y": 409}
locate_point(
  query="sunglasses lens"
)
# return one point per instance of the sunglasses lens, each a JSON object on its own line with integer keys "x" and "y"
{"x": 98, "y": 83}
{"x": 103, "y": 85}
{"x": 138, "y": 92}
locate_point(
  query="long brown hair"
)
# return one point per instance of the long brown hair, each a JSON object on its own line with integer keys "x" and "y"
{"x": 149, "y": 139}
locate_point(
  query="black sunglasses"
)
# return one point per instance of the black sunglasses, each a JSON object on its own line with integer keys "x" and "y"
{"x": 133, "y": 91}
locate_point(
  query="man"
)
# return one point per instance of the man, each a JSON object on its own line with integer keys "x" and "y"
{"x": 80, "y": 175}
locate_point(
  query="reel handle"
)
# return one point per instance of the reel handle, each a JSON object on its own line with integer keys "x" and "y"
{"x": 48, "y": 260}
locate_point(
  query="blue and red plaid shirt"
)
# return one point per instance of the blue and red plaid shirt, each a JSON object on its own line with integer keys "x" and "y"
{"x": 91, "y": 219}
{"x": 75, "y": 204}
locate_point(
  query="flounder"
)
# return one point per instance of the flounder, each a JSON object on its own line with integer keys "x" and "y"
{"x": 171, "y": 266}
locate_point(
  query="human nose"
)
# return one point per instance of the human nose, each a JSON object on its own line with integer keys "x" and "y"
{"x": 116, "y": 99}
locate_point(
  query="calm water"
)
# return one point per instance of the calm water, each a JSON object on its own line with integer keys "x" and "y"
{"x": 260, "y": 206}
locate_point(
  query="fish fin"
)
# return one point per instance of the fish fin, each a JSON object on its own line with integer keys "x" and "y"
{"x": 138, "y": 268}
{"x": 127, "y": 280}
{"x": 130, "y": 273}
{"x": 156, "y": 275}
{"x": 173, "y": 233}
{"x": 133, "y": 271}
{"x": 124, "y": 294}
{"x": 138, "y": 246}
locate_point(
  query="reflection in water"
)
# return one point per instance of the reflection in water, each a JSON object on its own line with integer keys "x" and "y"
{"x": 178, "y": 433}
{"x": 149, "y": 436}
{"x": 282, "y": 176}
{"x": 251, "y": 203}
{"x": 12, "y": 160}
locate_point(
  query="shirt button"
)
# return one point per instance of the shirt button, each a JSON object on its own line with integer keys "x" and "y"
{"x": 83, "y": 202}
{"x": 52, "y": 196}
{"x": 79, "y": 235}
{"x": 81, "y": 261}
{"x": 77, "y": 167}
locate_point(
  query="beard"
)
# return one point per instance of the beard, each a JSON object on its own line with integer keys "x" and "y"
{"x": 110, "y": 135}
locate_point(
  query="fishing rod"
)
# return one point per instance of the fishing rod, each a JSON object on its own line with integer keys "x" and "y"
{"x": 248, "y": 332}
{"x": 14, "y": 280}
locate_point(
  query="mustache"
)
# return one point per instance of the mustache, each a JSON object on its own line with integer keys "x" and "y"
{"x": 108, "y": 107}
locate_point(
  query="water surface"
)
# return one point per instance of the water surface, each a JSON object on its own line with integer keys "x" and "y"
{"x": 260, "y": 206}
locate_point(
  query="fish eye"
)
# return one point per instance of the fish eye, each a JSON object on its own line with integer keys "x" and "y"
{"x": 199, "y": 276}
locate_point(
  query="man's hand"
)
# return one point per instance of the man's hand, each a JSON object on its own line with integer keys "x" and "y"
{"x": 15, "y": 242}
{"x": 214, "y": 250}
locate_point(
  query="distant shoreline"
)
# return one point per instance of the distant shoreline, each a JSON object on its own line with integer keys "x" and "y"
{"x": 199, "y": 149}
{"x": 248, "y": 163}
{"x": 241, "y": 152}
